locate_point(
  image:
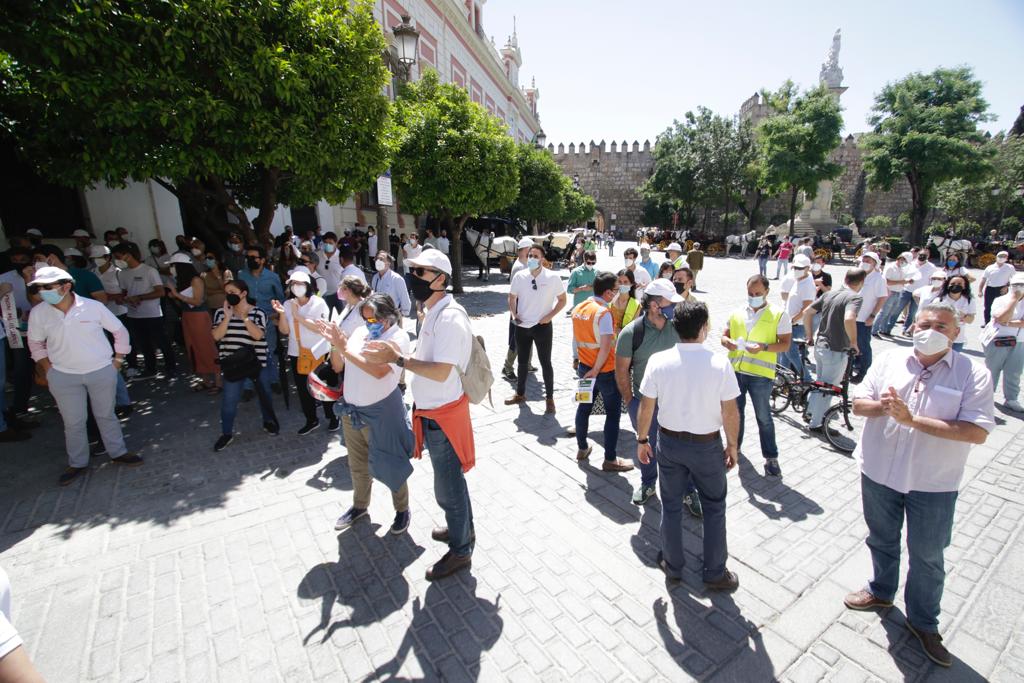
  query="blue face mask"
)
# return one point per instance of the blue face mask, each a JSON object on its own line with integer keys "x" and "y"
{"x": 533, "y": 263}
{"x": 755, "y": 301}
{"x": 951, "y": 264}
{"x": 210, "y": 263}
{"x": 668, "y": 311}
{"x": 51, "y": 296}
{"x": 623, "y": 289}
{"x": 375, "y": 329}
{"x": 328, "y": 247}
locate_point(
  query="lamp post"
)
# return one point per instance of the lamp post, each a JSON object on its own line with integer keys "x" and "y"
{"x": 399, "y": 62}
{"x": 539, "y": 139}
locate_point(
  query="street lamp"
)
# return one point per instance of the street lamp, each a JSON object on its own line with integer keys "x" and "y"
{"x": 407, "y": 39}
{"x": 576, "y": 181}
{"x": 540, "y": 138}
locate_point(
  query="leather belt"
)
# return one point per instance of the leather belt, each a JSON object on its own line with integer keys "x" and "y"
{"x": 689, "y": 436}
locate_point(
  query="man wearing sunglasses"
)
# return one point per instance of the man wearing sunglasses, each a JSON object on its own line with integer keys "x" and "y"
{"x": 440, "y": 415}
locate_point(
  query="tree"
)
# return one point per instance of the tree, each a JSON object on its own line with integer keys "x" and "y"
{"x": 992, "y": 196}
{"x": 673, "y": 182}
{"x": 796, "y": 145}
{"x": 226, "y": 104}
{"x": 453, "y": 159}
{"x": 925, "y": 129}
{"x": 541, "y": 193}
{"x": 578, "y": 207}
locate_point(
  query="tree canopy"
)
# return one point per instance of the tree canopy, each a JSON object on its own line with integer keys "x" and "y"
{"x": 925, "y": 129}
{"x": 228, "y": 103}
{"x": 578, "y": 206}
{"x": 541, "y": 196}
{"x": 453, "y": 159}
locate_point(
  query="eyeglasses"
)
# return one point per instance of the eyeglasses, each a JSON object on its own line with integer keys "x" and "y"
{"x": 418, "y": 272}
{"x": 925, "y": 375}
{"x": 534, "y": 284}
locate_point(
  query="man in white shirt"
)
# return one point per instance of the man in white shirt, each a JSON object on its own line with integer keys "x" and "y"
{"x": 995, "y": 280}
{"x": 873, "y": 296}
{"x": 142, "y": 289}
{"x": 689, "y": 442}
{"x": 387, "y": 281}
{"x": 924, "y": 407}
{"x": 65, "y": 336}
{"x": 328, "y": 266}
{"x": 896, "y": 275}
{"x": 919, "y": 275}
{"x": 522, "y": 250}
{"x": 371, "y": 240}
{"x": 535, "y": 298}
{"x": 640, "y": 274}
{"x": 798, "y": 293}
{"x": 442, "y": 242}
{"x": 411, "y": 250}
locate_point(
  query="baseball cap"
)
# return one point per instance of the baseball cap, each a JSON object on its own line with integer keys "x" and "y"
{"x": 98, "y": 250}
{"x": 35, "y": 232}
{"x": 1017, "y": 279}
{"x": 663, "y": 287}
{"x": 801, "y": 261}
{"x": 871, "y": 255}
{"x": 432, "y": 258}
{"x": 524, "y": 243}
{"x": 49, "y": 274}
{"x": 674, "y": 247}
{"x": 299, "y": 276}
{"x": 80, "y": 233}
{"x": 938, "y": 275}
{"x": 71, "y": 251}
{"x": 179, "y": 258}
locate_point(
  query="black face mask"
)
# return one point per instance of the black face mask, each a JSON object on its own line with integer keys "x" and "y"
{"x": 233, "y": 299}
{"x": 421, "y": 290}
{"x": 955, "y": 289}
{"x": 253, "y": 263}
{"x": 680, "y": 287}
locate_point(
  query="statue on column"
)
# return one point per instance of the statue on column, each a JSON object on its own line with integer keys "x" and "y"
{"x": 831, "y": 73}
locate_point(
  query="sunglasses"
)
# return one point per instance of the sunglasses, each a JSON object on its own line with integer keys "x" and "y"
{"x": 590, "y": 263}
{"x": 534, "y": 284}
{"x": 419, "y": 272}
{"x": 370, "y": 320}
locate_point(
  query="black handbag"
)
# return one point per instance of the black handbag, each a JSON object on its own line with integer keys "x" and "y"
{"x": 241, "y": 364}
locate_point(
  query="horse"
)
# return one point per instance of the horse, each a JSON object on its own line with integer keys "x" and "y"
{"x": 487, "y": 248}
{"x": 945, "y": 244}
{"x": 740, "y": 241}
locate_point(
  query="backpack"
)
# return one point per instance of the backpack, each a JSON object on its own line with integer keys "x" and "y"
{"x": 477, "y": 380}
{"x": 638, "y": 336}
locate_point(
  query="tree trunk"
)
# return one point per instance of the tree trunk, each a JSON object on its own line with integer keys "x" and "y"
{"x": 752, "y": 216}
{"x": 919, "y": 209}
{"x": 725, "y": 218}
{"x": 792, "y": 207}
{"x": 704, "y": 225}
{"x": 454, "y": 228}
{"x": 270, "y": 179}
{"x": 203, "y": 203}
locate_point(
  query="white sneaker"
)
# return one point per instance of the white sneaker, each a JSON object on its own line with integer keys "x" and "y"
{"x": 1014, "y": 405}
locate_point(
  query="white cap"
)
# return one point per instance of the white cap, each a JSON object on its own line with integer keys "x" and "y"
{"x": 524, "y": 243}
{"x": 938, "y": 275}
{"x": 871, "y": 255}
{"x": 801, "y": 261}
{"x": 674, "y": 247}
{"x": 80, "y": 233}
{"x": 299, "y": 269}
{"x": 49, "y": 274}
{"x": 98, "y": 250}
{"x": 71, "y": 251}
{"x": 1003, "y": 252}
{"x": 1017, "y": 279}
{"x": 663, "y": 287}
{"x": 179, "y": 258}
{"x": 299, "y": 276}
{"x": 432, "y": 258}
{"x": 35, "y": 232}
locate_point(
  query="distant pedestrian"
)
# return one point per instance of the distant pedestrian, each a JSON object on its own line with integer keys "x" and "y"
{"x": 763, "y": 253}
{"x": 695, "y": 260}
{"x": 874, "y": 293}
{"x": 782, "y": 254}
{"x": 994, "y": 281}
{"x": 1004, "y": 344}
{"x": 919, "y": 276}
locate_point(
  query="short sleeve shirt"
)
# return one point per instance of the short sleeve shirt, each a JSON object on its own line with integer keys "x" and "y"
{"x": 998, "y": 275}
{"x": 445, "y": 337}
{"x": 689, "y": 411}
{"x": 874, "y": 289}
{"x": 362, "y": 388}
{"x": 138, "y": 281}
{"x": 833, "y": 307}
{"x": 535, "y": 295}
{"x": 315, "y": 309}
{"x": 654, "y": 340}
{"x": 799, "y": 292}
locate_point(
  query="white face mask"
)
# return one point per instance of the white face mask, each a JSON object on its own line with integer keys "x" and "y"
{"x": 930, "y": 342}
{"x": 197, "y": 252}
{"x": 1001, "y": 259}
{"x": 630, "y": 262}
{"x": 299, "y": 290}
{"x": 867, "y": 266}
{"x": 816, "y": 267}
{"x": 381, "y": 265}
{"x": 120, "y": 264}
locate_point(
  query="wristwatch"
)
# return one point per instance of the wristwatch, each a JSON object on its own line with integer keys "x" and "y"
{"x": 400, "y": 362}
{"x": 643, "y": 439}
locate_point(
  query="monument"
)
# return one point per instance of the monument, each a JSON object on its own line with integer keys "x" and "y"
{"x": 816, "y": 214}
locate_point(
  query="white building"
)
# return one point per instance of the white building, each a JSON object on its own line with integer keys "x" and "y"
{"x": 452, "y": 42}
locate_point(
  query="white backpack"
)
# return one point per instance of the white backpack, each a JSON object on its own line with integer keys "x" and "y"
{"x": 478, "y": 378}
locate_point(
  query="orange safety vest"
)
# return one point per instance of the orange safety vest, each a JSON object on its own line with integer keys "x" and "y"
{"x": 586, "y": 320}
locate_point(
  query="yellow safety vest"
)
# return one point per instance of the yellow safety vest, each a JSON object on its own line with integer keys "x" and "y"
{"x": 765, "y": 331}
{"x": 679, "y": 262}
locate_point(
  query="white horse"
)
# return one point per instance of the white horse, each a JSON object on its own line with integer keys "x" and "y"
{"x": 945, "y": 245}
{"x": 740, "y": 241}
{"x": 487, "y": 248}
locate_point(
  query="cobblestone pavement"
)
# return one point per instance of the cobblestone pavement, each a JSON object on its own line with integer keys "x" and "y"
{"x": 225, "y": 567}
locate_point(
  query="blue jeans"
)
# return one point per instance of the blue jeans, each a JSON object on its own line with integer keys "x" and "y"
{"x": 862, "y": 362}
{"x": 605, "y": 384}
{"x": 780, "y": 266}
{"x": 1007, "y": 361}
{"x": 450, "y": 489}
{"x": 929, "y": 530}
{"x": 791, "y": 358}
{"x": 905, "y": 297}
{"x": 679, "y": 462}
{"x": 890, "y": 310}
{"x": 762, "y": 265}
{"x": 830, "y": 365}
{"x": 911, "y": 314}
{"x": 760, "y": 390}
{"x": 649, "y": 472}
{"x": 271, "y": 369}
{"x": 232, "y": 394}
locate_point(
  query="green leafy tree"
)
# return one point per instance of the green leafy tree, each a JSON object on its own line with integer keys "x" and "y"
{"x": 578, "y": 206}
{"x": 925, "y": 129}
{"x": 453, "y": 159}
{"x": 993, "y": 196}
{"x": 541, "y": 196}
{"x": 673, "y": 183}
{"x": 878, "y": 224}
{"x": 226, "y": 104}
{"x": 797, "y": 144}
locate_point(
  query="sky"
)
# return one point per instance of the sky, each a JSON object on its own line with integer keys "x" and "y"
{"x": 614, "y": 70}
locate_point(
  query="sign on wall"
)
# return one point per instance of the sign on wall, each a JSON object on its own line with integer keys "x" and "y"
{"x": 384, "y": 196}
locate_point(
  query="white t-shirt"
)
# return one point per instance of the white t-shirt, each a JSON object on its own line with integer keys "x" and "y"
{"x": 445, "y": 337}
{"x": 443, "y": 244}
{"x": 410, "y": 252}
{"x": 690, "y": 411}
{"x": 999, "y": 275}
{"x": 363, "y": 389}
{"x": 799, "y": 292}
{"x": 533, "y": 304}
{"x": 873, "y": 290}
{"x": 641, "y": 276}
{"x": 963, "y": 307}
{"x": 959, "y": 270}
{"x": 894, "y": 272}
{"x": 921, "y": 273}
{"x": 785, "y": 325}
{"x": 111, "y": 285}
{"x": 138, "y": 281}
{"x": 9, "y": 638}
{"x": 924, "y": 295}
{"x": 329, "y": 268}
{"x": 348, "y": 319}
{"x": 371, "y": 243}
{"x": 351, "y": 270}
{"x": 1018, "y": 313}
{"x": 315, "y": 309}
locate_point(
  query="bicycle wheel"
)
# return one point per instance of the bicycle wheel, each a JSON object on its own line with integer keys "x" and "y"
{"x": 779, "y": 399}
{"x": 837, "y": 433}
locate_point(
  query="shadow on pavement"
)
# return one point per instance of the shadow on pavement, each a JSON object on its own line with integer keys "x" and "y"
{"x": 772, "y": 497}
{"x": 902, "y": 641}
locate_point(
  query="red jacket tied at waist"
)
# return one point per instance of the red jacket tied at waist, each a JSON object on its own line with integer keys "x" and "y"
{"x": 454, "y": 421}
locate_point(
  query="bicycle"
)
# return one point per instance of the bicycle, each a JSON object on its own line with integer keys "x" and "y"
{"x": 790, "y": 389}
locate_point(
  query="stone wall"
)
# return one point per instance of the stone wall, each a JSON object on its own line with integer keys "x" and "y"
{"x": 612, "y": 175}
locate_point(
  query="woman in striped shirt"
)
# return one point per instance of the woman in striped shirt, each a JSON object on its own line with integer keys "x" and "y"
{"x": 239, "y": 323}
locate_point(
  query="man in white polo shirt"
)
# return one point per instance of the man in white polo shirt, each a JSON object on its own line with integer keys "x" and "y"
{"x": 689, "y": 443}
{"x": 873, "y": 296}
{"x": 798, "y": 292}
{"x": 995, "y": 280}
{"x": 65, "y": 336}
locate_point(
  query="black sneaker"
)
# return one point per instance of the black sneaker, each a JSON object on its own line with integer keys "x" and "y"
{"x": 771, "y": 467}
{"x": 130, "y": 459}
{"x": 349, "y": 518}
{"x": 692, "y": 504}
{"x": 334, "y": 424}
{"x": 308, "y": 427}
{"x": 272, "y": 428}
{"x": 401, "y": 522}
{"x": 70, "y": 474}
{"x": 223, "y": 442}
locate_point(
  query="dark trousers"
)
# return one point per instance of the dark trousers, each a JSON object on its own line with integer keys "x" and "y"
{"x": 679, "y": 462}
{"x": 649, "y": 472}
{"x": 526, "y": 337}
{"x": 20, "y": 375}
{"x": 991, "y": 294}
{"x": 609, "y": 391}
{"x": 148, "y": 334}
{"x": 862, "y": 362}
{"x": 307, "y": 402}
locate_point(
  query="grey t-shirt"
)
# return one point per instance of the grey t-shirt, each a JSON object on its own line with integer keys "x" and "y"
{"x": 655, "y": 340}
{"x": 832, "y": 306}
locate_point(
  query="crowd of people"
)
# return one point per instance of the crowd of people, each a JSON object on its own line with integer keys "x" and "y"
{"x": 83, "y": 315}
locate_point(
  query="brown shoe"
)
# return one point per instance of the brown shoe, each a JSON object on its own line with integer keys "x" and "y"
{"x": 727, "y": 582}
{"x": 864, "y": 600}
{"x": 932, "y": 645}
{"x": 448, "y": 565}
{"x": 130, "y": 459}
{"x": 516, "y": 398}
{"x": 617, "y": 465}
{"x": 550, "y": 409}
{"x": 584, "y": 454}
{"x": 440, "y": 534}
